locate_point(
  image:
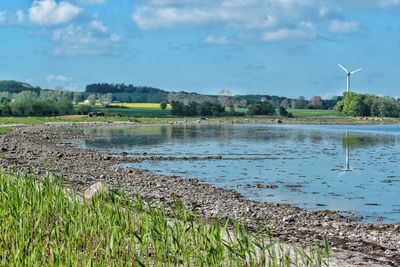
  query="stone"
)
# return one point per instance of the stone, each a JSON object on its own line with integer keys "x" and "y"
{"x": 94, "y": 190}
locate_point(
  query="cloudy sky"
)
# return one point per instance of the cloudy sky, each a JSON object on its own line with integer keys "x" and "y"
{"x": 281, "y": 47}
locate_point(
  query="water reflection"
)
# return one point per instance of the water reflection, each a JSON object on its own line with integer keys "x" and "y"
{"x": 302, "y": 165}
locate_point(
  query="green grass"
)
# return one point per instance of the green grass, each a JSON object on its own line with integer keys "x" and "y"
{"x": 5, "y": 130}
{"x": 302, "y": 113}
{"x": 39, "y": 120}
{"x": 42, "y": 224}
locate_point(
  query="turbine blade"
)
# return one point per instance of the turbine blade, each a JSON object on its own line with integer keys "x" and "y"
{"x": 343, "y": 68}
{"x": 354, "y": 71}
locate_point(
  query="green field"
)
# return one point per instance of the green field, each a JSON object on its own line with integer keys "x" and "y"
{"x": 43, "y": 224}
{"x": 301, "y": 113}
{"x": 134, "y": 112}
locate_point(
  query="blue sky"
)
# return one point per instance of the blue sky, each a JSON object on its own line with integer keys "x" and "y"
{"x": 280, "y": 47}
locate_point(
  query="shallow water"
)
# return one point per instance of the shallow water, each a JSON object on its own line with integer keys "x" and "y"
{"x": 344, "y": 168}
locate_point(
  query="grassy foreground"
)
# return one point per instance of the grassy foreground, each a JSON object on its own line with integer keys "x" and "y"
{"x": 42, "y": 224}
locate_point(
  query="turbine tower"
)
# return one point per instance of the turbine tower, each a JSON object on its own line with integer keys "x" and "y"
{"x": 348, "y": 73}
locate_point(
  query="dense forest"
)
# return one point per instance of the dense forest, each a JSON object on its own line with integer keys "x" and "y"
{"x": 15, "y": 87}
{"x": 105, "y": 88}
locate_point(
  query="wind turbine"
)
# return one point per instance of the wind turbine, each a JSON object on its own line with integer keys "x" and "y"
{"x": 348, "y": 73}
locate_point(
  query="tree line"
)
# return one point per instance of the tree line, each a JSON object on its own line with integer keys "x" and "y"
{"x": 45, "y": 103}
{"x": 354, "y": 104}
{"x": 105, "y": 88}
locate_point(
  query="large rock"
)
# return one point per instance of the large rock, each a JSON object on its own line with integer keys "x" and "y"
{"x": 94, "y": 190}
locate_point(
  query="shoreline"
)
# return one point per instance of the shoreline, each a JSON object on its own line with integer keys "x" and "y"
{"x": 47, "y": 147}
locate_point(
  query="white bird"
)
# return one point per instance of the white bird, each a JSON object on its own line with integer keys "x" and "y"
{"x": 348, "y": 73}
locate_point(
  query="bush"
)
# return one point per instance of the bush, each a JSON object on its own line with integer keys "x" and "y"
{"x": 83, "y": 109}
{"x": 163, "y": 105}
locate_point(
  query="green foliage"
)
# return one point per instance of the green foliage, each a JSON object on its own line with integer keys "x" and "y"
{"x": 29, "y": 104}
{"x": 284, "y": 113}
{"x": 197, "y": 109}
{"x": 92, "y": 99}
{"x": 354, "y": 104}
{"x": 105, "y": 88}
{"x": 261, "y": 108}
{"x": 43, "y": 224}
{"x": 163, "y": 105}
{"x": 133, "y": 112}
{"x": 83, "y": 109}
{"x": 5, "y": 130}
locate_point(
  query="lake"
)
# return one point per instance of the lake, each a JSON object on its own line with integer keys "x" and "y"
{"x": 350, "y": 169}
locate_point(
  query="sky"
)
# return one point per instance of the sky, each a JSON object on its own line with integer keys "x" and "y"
{"x": 278, "y": 47}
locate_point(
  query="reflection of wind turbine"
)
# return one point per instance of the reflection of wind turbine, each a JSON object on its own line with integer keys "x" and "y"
{"x": 348, "y": 73}
{"x": 347, "y": 153}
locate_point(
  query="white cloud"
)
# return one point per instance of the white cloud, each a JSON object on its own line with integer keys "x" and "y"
{"x": 305, "y": 30}
{"x": 90, "y": 2}
{"x": 20, "y": 16}
{"x": 275, "y": 19}
{"x": 167, "y": 14}
{"x": 98, "y": 25}
{"x": 3, "y": 17}
{"x": 218, "y": 40}
{"x": 341, "y": 26}
{"x": 389, "y": 3}
{"x": 148, "y": 18}
{"x": 11, "y": 18}
{"x": 286, "y": 34}
{"x": 85, "y": 40}
{"x": 50, "y": 12}
{"x": 57, "y": 78}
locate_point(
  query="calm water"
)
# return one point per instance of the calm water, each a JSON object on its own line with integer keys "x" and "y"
{"x": 343, "y": 168}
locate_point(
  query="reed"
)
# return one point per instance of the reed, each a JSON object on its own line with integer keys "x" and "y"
{"x": 43, "y": 224}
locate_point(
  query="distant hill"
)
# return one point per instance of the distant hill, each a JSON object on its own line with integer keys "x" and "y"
{"x": 105, "y": 88}
{"x": 128, "y": 93}
{"x": 17, "y": 87}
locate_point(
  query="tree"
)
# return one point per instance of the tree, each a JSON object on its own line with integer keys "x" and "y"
{"x": 285, "y": 103}
{"x": 261, "y": 108}
{"x": 106, "y": 98}
{"x": 368, "y": 105}
{"x": 354, "y": 105}
{"x": 315, "y": 102}
{"x": 284, "y": 113}
{"x": 300, "y": 103}
{"x": 78, "y": 97}
{"x": 178, "y": 108}
{"x": 226, "y": 99}
{"x": 92, "y": 99}
{"x": 242, "y": 103}
{"x": 163, "y": 105}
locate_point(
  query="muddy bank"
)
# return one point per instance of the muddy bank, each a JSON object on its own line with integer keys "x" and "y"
{"x": 42, "y": 148}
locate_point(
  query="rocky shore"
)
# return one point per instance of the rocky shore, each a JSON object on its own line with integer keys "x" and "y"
{"x": 48, "y": 148}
